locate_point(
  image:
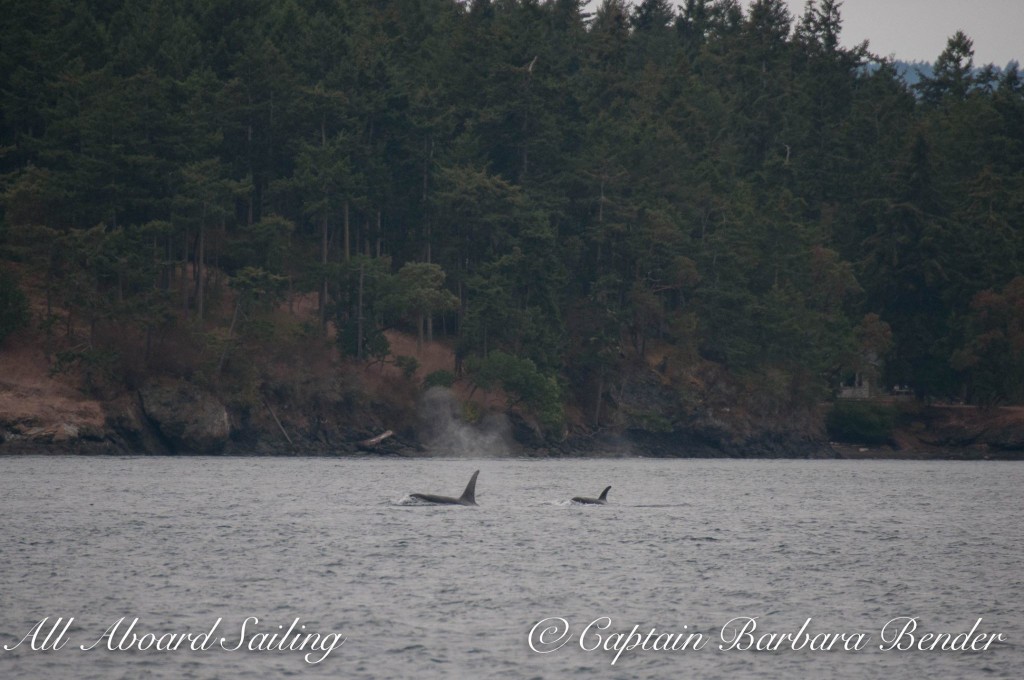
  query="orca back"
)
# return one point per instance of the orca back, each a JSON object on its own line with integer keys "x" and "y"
{"x": 600, "y": 500}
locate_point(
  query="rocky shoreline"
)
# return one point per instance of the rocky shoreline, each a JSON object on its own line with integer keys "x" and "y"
{"x": 334, "y": 413}
{"x": 176, "y": 418}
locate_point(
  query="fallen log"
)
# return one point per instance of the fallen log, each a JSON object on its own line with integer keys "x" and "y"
{"x": 372, "y": 443}
{"x": 283, "y": 431}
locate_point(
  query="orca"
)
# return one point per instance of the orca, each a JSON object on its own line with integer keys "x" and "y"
{"x": 600, "y": 500}
{"x": 468, "y": 496}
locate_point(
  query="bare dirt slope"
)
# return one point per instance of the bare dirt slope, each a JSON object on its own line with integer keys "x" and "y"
{"x": 37, "y": 406}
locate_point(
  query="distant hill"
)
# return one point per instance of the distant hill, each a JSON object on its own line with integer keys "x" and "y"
{"x": 913, "y": 71}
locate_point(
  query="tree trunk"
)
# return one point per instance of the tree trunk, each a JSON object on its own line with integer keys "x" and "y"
{"x": 378, "y": 235}
{"x": 427, "y": 227}
{"x": 348, "y": 252}
{"x": 231, "y": 333}
{"x": 322, "y": 293}
{"x": 184, "y": 277}
{"x": 359, "y": 317}
{"x": 200, "y": 269}
{"x": 526, "y": 119}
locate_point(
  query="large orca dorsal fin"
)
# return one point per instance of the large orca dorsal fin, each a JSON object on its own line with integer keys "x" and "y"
{"x": 469, "y": 495}
{"x": 604, "y": 494}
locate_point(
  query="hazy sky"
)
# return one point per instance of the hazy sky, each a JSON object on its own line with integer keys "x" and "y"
{"x": 917, "y": 30}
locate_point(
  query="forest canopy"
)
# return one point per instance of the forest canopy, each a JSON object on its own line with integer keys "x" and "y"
{"x": 559, "y": 190}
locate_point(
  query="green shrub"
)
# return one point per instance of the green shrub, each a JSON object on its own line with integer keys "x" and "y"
{"x": 407, "y": 365}
{"x": 860, "y": 422}
{"x": 471, "y": 412}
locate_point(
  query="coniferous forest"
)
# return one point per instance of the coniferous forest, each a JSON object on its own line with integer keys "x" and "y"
{"x": 559, "y": 192}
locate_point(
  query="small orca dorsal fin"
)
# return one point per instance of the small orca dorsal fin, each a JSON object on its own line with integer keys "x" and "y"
{"x": 604, "y": 494}
{"x": 469, "y": 495}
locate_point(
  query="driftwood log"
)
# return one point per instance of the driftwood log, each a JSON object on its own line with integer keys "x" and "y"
{"x": 372, "y": 443}
{"x": 283, "y": 431}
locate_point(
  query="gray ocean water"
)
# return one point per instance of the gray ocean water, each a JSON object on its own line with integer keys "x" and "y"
{"x": 684, "y": 546}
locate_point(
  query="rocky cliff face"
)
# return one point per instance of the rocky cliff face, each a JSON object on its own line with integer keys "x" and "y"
{"x": 707, "y": 413}
{"x": 188, "y": 418}
{"x": 650, "y": 414}
{"x": 995, "y": 430}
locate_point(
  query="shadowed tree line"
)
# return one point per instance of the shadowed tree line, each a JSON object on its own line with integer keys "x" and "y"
{"x": 562, "y": 195}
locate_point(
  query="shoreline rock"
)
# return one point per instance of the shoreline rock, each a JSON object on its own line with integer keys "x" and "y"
{"x": 185, "y": 416}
